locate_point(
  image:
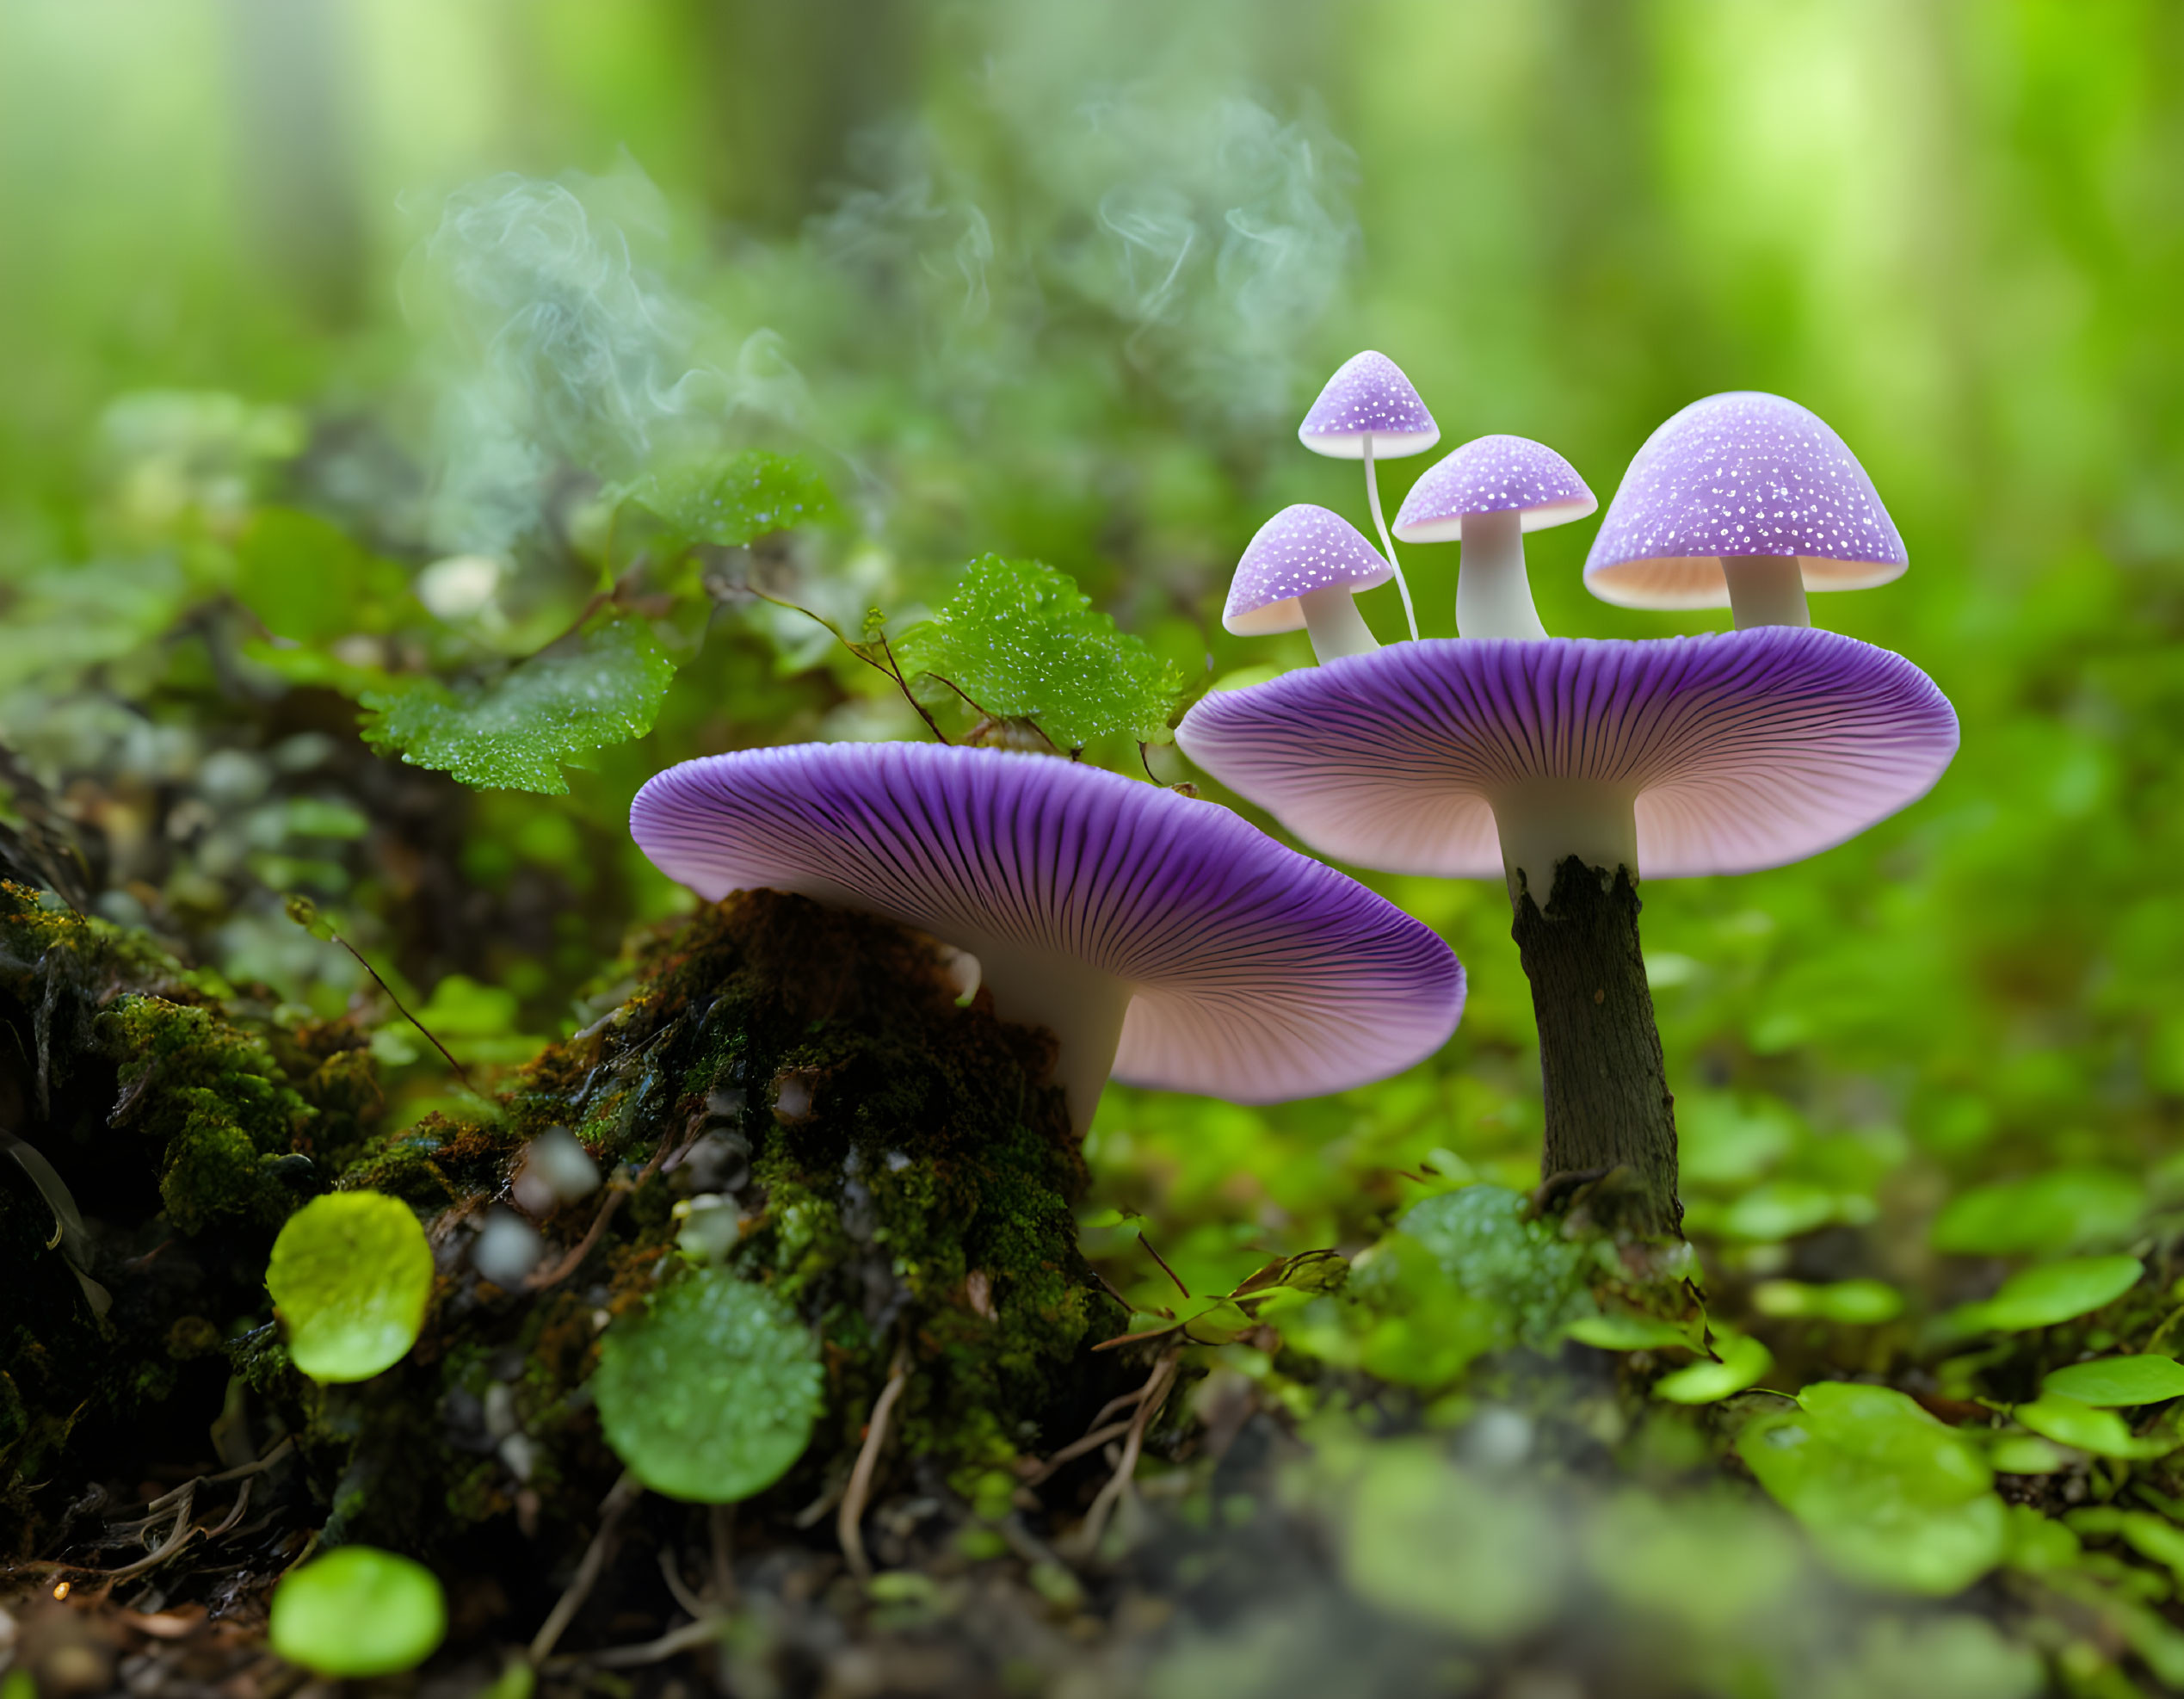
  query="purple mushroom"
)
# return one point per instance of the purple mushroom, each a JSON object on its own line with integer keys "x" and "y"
{"x": 1368, "y": 411}
{"x": 1302, "y": 572}
{"x": 1487, "y": 495}
{"x": 1745, "y": 500}
{"x": 1569, "y": 766}
{"x": 1160, "y": 938}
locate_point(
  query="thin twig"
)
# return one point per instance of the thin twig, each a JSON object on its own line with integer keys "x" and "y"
{"x": 619, "y": 1497}
{"x": 1086, "y": 1542}
{"x": 848, "y": 1524}
{"x": 686, "y": 1638}
{"x": 402, "y": 1008}
{"x": 1075, "y": 1448}
{"x": 1163, "y": 1261}
{"x": 539, "y": 1279}
{"x": 671, "y": 1572}
{"x": 892, "y": 670}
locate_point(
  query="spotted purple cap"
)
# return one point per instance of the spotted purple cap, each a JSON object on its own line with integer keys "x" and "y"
{"x": 1368, "y": 397}
{"x": 1301, "y": 549}
{"x": 1741, "y": 751}
{"x": 1741, "y": 473}
{"x": 1248, "y": 971}
{"x": 1493, "y": 474}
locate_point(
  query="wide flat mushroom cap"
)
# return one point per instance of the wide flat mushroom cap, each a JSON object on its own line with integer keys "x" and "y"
{"x": 1368, "y": 397}
{"x": 1742, "y": 750}
{"x": 1493, "y": 474}
{"x": 1301, "y": 549}
{"x": 1741, "y": 473}
{"x": 1259, "y": 974}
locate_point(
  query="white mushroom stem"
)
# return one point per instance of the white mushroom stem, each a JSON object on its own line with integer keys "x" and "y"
{"x": 1493, "y": 594}
{"x": 1387, "y": 542}
{"x": 1542, "y": 821}
{"x": 1766, "y": 590}
{"x": 1080, "y": 1006}
{"x": 1337, "y": 628}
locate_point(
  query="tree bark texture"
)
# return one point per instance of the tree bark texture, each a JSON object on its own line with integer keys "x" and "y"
{"x": 1607, "y": 1099}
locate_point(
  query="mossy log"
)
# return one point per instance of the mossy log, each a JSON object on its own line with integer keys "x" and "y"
{"x": 890, "y": 1160}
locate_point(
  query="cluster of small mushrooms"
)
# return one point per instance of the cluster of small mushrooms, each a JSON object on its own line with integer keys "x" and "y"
{"x": 1569, "y": 766}
{"x": 1168, "y": 942}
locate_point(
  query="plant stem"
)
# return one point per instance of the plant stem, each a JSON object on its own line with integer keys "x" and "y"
{"x": 1607, "y": 1099}
{"x": 1387, "y": 542}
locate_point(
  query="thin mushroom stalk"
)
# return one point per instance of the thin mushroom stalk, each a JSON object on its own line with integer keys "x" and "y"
{"x": 1766, "y": 590}
{"x": 1387, "y": 542}
{"x": 1486, "y": 495}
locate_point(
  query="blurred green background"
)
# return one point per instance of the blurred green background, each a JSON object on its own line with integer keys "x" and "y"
{"x": 323, "y": 294}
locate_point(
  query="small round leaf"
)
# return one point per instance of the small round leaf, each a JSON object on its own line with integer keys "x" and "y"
{"x": 359, "y": 1612}
{"x": 708, "y": 1394}
{"x": 351, "y": 1275}
{"x": 1742, "y": 1361}
{"x": 2119, "y": 1380}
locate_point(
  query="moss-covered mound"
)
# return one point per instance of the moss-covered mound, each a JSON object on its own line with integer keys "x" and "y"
{"x": 793, "y": 1093}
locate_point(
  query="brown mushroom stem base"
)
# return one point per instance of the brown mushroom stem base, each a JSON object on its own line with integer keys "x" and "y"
{"x": 1608, "y": 1100}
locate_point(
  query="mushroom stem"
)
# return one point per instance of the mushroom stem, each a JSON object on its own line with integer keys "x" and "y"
{"x": 1387, "y": 542}
{"x": 1609, "y": 1113}
{"x": 1493, "y": 593}
{"x": 1608, "y": 1107}
{"x": 1766, "y": 590}
{"x": 1337, "y": 628}
{"x": 1083, "y": 1007}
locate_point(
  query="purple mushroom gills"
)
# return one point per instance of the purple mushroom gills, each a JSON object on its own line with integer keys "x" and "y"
{"x": 1567, "y": 766}
{"x": 1370, "y": 411}
{"x": 1746, "y": 500}
{"x": 1303, "y": 572}
{"x": 1162, "y": 939}
{"x": 1487, "y": 495}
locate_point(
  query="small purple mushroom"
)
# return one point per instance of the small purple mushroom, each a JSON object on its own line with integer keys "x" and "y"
{"x": 1302, "y": 571}
{"x": 1369, "y": 410}
{"x": 1487, "y": 494}
{"x": 1568, "y": 766}
{"x": 1164, "y": 939}
{"x": 1746, "y": 499}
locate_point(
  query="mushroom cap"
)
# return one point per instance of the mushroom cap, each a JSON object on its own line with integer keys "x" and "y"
{"x": 1258, "y": 974}
{"x": 1368, "y": 397}
{"x": 1741, "y": 473}
{"x": 1493, "y": 474}
{"x": 1741, "y": 751}
{"x": 1301, "y": 549}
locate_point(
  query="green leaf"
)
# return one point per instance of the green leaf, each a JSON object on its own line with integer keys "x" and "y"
{"x": 1627, "y": 1333}
{"x": 1742, "y": 1361}
{"x": 359, "y": 1612}
{"x": 731, "y": 503}
{"x": 308, "y": 581}
{"x": 351, "y": 1275}
{"x": 1856, "y": 1303}
{"x": 1021, "y": 640}
{"x": 77, "y": 616}
{"x": 1533, "y": 1279}
{"x": 2119, "y": 1380}
{"x": 2057, "y": 1211}
{"x": 1891, "y": 1496}
{"x": 2068, "y": 1422}
{"x": 515, "y": 733}
{"x": 709, "y": 1393}
{"x": 2055, "y": 1291}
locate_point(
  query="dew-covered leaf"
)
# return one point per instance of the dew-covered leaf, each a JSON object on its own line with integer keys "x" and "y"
{"x": 2054, "y": 1292}
{"x": 2057, "y": 1211}
{"x": 351, "y": 1275}
{"x": 1742, "y": 1361}
{"x": 1022, "y": 641}
{"x": 515, "y": 733}
{"x": 358, "y": 1612}
{"x": 1891, "y": 1497}
{"x": 709, "y": 1393}
{"x": 731, "y": 503}
{"x": 1531, "y": 1277}
{"x": 2119, "y": 1380}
